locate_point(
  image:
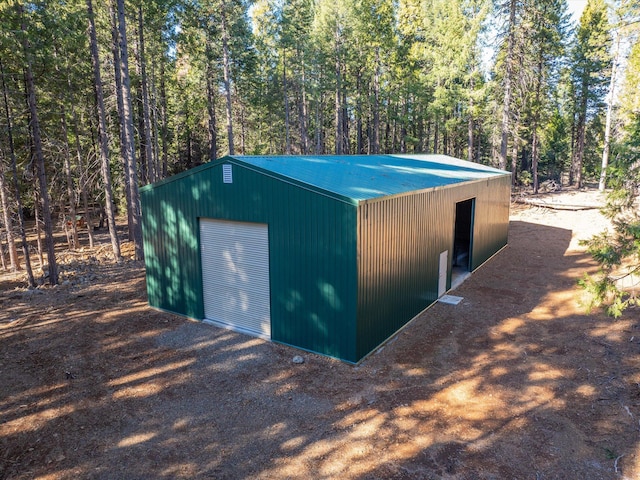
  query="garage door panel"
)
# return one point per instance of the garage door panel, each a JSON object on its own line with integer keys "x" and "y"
{"x": 235, "y": 274}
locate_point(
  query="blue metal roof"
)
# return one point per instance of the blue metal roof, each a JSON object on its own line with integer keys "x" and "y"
{"x": 364, "y": 177}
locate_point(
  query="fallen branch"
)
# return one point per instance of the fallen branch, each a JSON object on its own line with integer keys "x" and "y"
{"x": 555, "y": 206}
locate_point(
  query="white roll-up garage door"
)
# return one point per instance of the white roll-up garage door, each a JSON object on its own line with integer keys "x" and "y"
{"x": 235, "y": 275}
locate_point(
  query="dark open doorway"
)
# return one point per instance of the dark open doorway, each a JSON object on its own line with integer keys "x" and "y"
{"x": 463, "y": 241}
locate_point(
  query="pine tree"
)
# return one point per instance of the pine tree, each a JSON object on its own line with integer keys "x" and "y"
{"x": 591, "y": 69}
{"x": 102, "y": 134}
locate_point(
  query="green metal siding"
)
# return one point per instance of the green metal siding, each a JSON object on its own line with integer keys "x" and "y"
{"x": 344, "y": 275}
{"x": 491, "y": 227}
{"x": 399, "y": 244}
{"x": 312, "y": 251}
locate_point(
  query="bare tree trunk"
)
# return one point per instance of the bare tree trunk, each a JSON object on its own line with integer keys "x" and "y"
{"x": 115, "y": 37}
{"x": 302, "y": 110}
{"x": 243, "y": 127}
{"x": 148, "y": 142}
{"x": 285, "y": 93}
{"x": 211, "y": 109}
{"x": 436, "y": 132}
{"x": 69, "y": 223}
{"x": 535, "y": 153}
{"x": 39, "y": 155}
{"x": 338, "y": 109}
{"x": 514, "y": 162}
{"x": 470, "y": 121}
{"x": 8, "y": 224}
{"x": 535, "y": 160}
{"x": 85, "y": 203}
{"x": 164, "y": 119}
{"x": 428, "y": 137}
{"x": 319, "y": 122}
{"x": 376, "y": 104}
{"x": 153, "y": 110}
{"x": 403, "y": 125}
{"x": 211, "y": 105}
{"x": 607, "y": 129}
{"x": 16, "y": 184}
{"x": 104, "y": 140}
{"x": 346, "y": 147}
{"x": 575, "y": 173}
{"x": 83, "y": 177}
{"x": 4, "y": 263}
{"x": 359, "y": 114}
{"x": 131, "y": 172}
{"x": 506, "y": 106}
{"x": 38, "y": 230}
{"x": 69, "y": 181}
{"x": 226, "y": 67}
{"x": 4, "y": 197}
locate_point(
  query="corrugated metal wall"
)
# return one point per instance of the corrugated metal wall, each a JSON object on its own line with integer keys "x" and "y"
{"x": 343, "y": 278}
{"x": 312, "y": 250}
{"x": 399, "y": 244}
{"x": 491, "y": 227}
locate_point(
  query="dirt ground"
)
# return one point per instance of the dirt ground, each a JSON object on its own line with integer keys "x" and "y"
{"x": 515, "y": 382}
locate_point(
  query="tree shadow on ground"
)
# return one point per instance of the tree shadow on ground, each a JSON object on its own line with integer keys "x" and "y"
{"x": 514, "y": 382}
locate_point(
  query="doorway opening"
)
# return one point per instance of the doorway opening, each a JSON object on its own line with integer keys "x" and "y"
{"x": 462, "y": 242}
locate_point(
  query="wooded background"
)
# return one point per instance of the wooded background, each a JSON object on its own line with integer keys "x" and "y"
{"x": 99, "y": 98}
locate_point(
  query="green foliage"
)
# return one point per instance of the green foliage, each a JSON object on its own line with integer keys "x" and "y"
{"x": 525, "y": 178}
{"x": 618, "y": 252}
{"x": 390, "y": 76}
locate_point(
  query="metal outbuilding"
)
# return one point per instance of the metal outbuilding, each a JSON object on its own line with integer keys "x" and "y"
{"x": 331, "y": 254}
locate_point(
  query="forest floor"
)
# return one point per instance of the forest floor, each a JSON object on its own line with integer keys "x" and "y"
{"x": 515, "y": 382}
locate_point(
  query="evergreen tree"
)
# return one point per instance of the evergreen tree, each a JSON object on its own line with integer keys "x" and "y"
{"x": 618, "y": 252}
{"x": 591, "y": 61}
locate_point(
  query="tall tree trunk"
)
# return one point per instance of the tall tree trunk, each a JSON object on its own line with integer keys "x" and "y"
{"x": 153, "y": 106}
{"x": 131, "y": 172}
{"x": 338, "y": 103}
{"x": 39, "y": 156}
{"x": 102, "y": 134}
{"x": 13, "y": 254}
{"x": 403, "y": 125}
{"x": 319, "y": 122}
{"x": 470, "y": 121}
{"x": 514, "y": 162}
{"x": 4, "y": 263}
{"x": 607, "y": 128}
{"x": 359, "y": 132}
{"x": 285, "y": 94}
{"x": 165, "y": 121}
{"x": 376, "y": 104}
{"x": 506, "y": 106}
{"x": 124, "y": 156}
{"x": 428, "y": 137}
{"x": 226, "y": 70}
{"x": 345, "y": 118}
{"x": 69, "y": 179}
{"x": 243, "y": 127}
{"x": 71, "y": 198}
{"x": 84, "y": 180}
{"x": 575, "y": 173}
{"x": 37, "y": 213}
{"x": 303, "y": 113}
{"x": 535, "y": 154}
{"x": 8, "y": 223}
{"x": 83, "y": 170}
{"x": 211, "y": 110}
{"x": 148, "y": 137}
{"x": 436, "y": 131}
